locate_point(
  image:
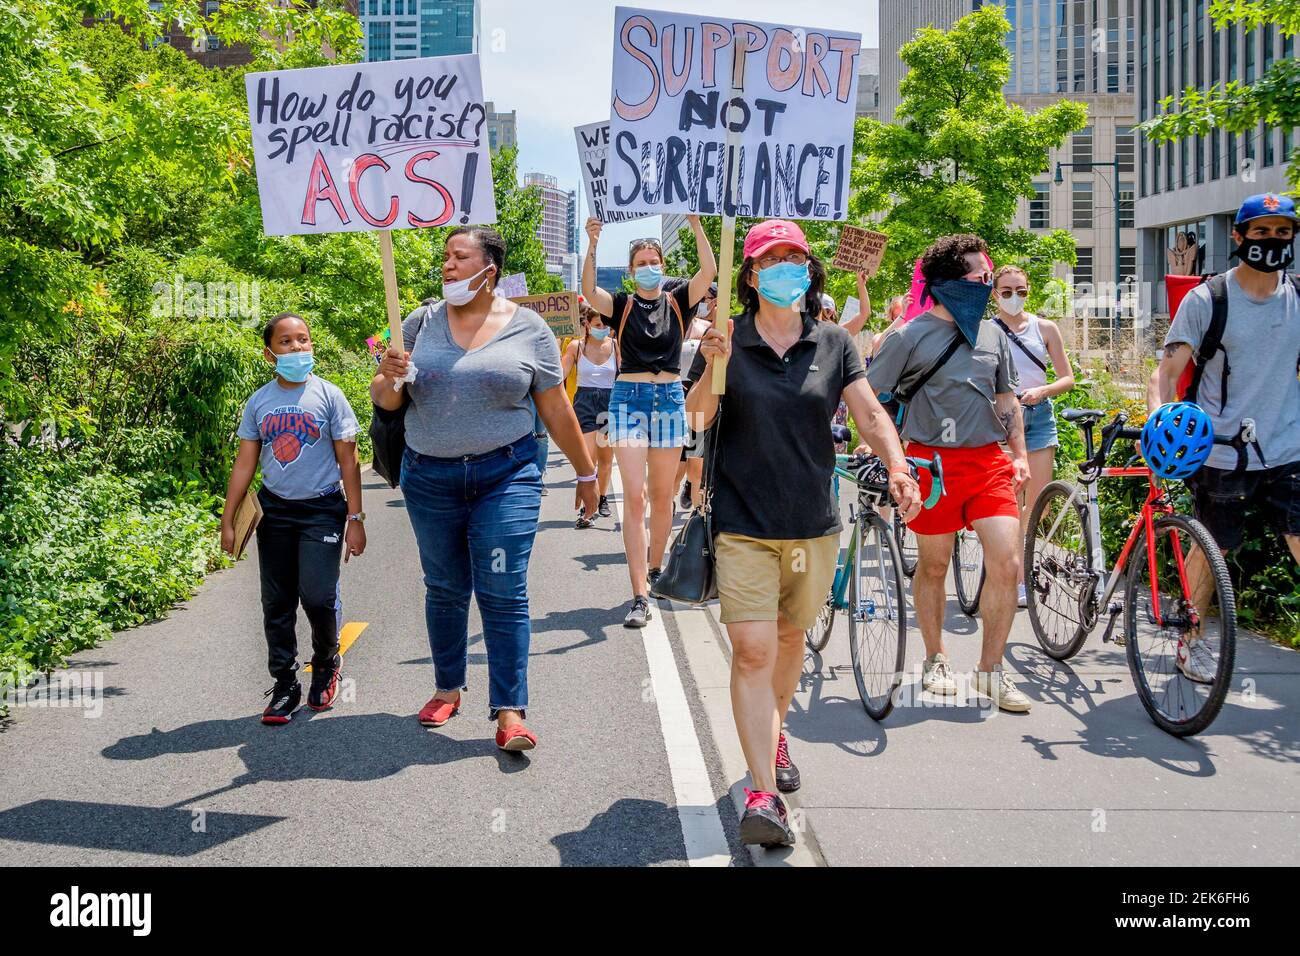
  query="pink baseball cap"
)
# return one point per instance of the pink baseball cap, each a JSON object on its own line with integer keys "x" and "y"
{"x": 773, "y": 232}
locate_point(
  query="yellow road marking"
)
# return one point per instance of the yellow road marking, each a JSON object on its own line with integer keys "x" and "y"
{"x": 347, "y": 637}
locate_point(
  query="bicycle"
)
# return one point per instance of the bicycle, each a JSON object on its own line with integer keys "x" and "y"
{"x": 968, "y": 570}
{"x": 872, "y": 575}
{"x": 1069, "y": 588}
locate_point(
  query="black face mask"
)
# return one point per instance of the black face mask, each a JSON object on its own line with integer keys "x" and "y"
{"x": 1266, "y": 255}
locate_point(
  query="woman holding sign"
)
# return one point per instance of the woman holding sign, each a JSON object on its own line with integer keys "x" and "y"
{"x": 470, "y": 475}
{"x": 647, "y": 413}
{"x": 775, "y": 517}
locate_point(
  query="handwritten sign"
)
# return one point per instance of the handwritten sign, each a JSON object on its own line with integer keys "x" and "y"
{"x": 395, "y": 144}
{"x": 593, "y": 155}
{"x": 860, "y": 250}
{"x": 672, "y": 107}
{"x": 513, "y": 286}
{"x": 558, "y": 309}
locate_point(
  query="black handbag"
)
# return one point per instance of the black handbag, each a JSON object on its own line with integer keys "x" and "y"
{"x": 690, "y": 574}
{"x": 388, "y": 429}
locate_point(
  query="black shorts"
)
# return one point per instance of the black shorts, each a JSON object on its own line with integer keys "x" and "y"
{"x": 1222, "y": 496}
{"x": 591, "y": 405}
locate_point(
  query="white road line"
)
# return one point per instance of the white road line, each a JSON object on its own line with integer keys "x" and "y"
{"x": 697, "y": 809}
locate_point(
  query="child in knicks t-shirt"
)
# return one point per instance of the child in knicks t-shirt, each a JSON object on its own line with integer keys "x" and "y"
{"x": 304, "y": 432}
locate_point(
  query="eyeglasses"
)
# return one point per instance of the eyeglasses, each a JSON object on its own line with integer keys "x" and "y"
{"x": 794, "y": 258}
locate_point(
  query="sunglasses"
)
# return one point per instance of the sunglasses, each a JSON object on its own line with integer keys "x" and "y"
{"x": 1008, "y": 293}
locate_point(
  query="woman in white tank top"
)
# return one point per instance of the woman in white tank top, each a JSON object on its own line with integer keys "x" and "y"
{"x": 595, "y": 356}
{"x": 1035, "y": 344}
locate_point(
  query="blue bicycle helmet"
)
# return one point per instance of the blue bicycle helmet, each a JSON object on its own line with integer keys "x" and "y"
{"x": 1177, "y": 439}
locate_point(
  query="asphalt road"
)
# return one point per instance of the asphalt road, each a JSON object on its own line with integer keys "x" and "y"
{"x": 637, "y": 763}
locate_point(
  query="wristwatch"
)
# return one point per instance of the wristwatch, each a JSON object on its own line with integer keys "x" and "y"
{"x": 359, "y": 517}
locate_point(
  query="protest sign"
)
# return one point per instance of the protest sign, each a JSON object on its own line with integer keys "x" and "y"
{"x": 513, "y": 286}
{"x": 394, "y": 144}
{"x": 673, "y": 107}
{"x": 558, "y": 309}
{"x": 860, "y": 250}
{"x": 593, "y": 155}
{"x": 850, "y": 311}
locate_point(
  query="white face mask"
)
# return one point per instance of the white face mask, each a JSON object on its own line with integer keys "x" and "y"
{"x": 702, "y": 310}
{"x": 459, "y": 293}
{"x": 1014, "y": 305}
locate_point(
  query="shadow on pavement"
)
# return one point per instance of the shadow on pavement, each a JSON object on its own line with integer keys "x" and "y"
{"x": 166, "y": 831}
{"x": 631, "y": 832}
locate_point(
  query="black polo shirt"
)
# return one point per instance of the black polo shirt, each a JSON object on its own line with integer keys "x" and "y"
{"x": 776, "y": 456}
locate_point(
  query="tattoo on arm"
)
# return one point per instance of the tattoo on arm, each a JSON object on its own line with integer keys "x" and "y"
{"x": 1171, "y": 351}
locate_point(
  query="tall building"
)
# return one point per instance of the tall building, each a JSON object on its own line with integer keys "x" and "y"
{"x": 1189, "y": 190}
{"x": 404, "y": 29}
{"x": 610, "y": 278}
{"x": 1083, "y": 50}
{"x": 869, "y": 83}
{"x": 502, "y": 128}
{"x": 670, "y": 226}
{"x": 558, "y": 228}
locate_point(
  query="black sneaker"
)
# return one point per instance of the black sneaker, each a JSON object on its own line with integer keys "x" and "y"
{"x": 764, "y": 821}
{"x": 545, "y": 491}
{"x": 686, "y": 496}
{"x": 325, "y": 685}
{"x": 285, "y": 699}
{"x": 584, "y": 522}
{"x": 640, "y": 614}
{"x": 603, "y": 510}
{"x": 787, "y": 774}
{"x": 653, "y": 576}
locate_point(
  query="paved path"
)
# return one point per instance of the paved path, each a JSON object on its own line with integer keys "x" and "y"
{"x": 638, "y": 762}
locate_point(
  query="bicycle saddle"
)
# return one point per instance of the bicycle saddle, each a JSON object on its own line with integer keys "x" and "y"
{"x": 1083, "y": 414}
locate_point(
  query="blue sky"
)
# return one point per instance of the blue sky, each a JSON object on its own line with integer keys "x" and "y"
{"x": 551, "y": 63}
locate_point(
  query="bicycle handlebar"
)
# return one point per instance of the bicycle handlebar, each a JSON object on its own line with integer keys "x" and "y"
{"x": 870, "y": 470}
{"x": 1115, "y": 431}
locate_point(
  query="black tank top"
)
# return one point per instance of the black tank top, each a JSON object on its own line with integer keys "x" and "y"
{"x": 651, "y": 339}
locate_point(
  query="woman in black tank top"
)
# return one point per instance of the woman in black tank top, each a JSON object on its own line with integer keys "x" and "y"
{"x": 647, "y": 415}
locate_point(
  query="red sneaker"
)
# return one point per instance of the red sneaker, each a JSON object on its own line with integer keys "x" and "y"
{"x": 516, "y": 737}
{"x": 437, "y": 712}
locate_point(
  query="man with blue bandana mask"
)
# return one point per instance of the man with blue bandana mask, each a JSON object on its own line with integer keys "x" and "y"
{"x": 965, "y": 383}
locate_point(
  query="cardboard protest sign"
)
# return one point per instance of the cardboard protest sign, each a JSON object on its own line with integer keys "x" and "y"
{"x": 860, "y": 250}
{"x": 558, "y": 309}
{"x": 672, "y": 109}
{"x": 396, "y": 144}
{"x": 593, "y": 155}
{"x": 513, "y": 286}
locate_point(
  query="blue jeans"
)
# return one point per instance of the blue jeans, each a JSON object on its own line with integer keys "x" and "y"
{"x": 475, "y": 520}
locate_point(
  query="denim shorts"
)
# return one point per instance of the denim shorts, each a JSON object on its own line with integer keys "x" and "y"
{"x": 1040, "y": 426}
{"x": 647, "y": 413}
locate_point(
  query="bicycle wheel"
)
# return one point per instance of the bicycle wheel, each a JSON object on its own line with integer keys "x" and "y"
{"x": 1161, "y": 644}
{"x": 968, "y": 570}
{"x": 1061, "y": 593}
{"x": 817, "y": 636}
{"x": 877, "y": 616}
{"x": 905, "y": 539}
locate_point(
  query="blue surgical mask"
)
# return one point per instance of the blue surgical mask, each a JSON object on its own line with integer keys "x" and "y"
{"x": 784, "y": 284}
{"x": 295, "y": 366}
{"x": 649, "y": 277}
{"x": 966, "y": 300}
{"x": 598, "y": 333}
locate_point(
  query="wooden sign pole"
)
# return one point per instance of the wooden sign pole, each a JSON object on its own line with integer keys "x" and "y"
{"x": 390, "y": 290}
{"x": 726, "y": 252}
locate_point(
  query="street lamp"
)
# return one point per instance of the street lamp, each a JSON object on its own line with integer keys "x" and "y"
{"x": 1114, "y": 192}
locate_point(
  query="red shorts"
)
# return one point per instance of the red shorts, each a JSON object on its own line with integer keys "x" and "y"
{"x": 977, "y": 483}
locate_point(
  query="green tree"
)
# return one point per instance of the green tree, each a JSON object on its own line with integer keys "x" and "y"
{"x": 960, "y": 156}
{"x": 1273, "y": 100}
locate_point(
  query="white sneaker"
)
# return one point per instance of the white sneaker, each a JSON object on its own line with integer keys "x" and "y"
{"x": 1196, "y": 661}
{"x": 1021, "y": 599}
{"x": 936, "y": 676}
{"x": 997, "y": 686}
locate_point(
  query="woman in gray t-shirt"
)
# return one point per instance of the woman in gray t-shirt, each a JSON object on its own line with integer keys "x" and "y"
{"x": 470, "y": 475}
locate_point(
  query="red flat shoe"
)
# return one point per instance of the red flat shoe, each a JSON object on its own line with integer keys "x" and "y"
{"x": 437, "y": 712}
{"x": 516, "y": 737}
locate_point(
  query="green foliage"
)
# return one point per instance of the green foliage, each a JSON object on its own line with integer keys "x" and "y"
{"x": 1273, "y": 99}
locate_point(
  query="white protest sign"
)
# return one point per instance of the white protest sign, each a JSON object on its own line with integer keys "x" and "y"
{"x": 512, "y": 286}
{"x": 671, "y": 111}
{"x": 851, "y": 309}
{"x": 593, "y": 154}
{"x": 396, "y": 144}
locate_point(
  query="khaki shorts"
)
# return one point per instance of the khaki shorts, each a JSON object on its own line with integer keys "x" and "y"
{"x": 759, "y": 578}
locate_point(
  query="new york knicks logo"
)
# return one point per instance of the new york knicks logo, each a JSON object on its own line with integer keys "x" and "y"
{"x": 287, "y": 430}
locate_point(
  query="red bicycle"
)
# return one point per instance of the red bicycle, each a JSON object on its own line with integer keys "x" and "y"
{"x": 1180, "y": 618}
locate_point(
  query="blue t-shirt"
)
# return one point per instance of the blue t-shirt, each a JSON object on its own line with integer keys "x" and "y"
{"x": 297, "y": 428}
